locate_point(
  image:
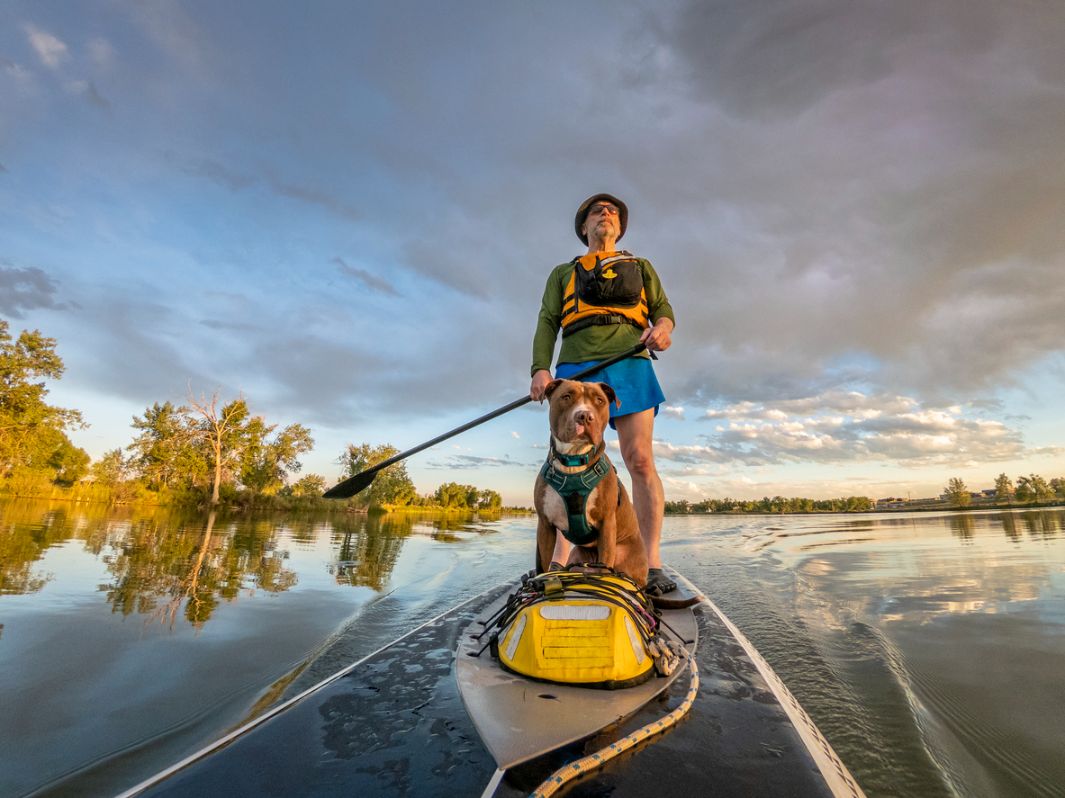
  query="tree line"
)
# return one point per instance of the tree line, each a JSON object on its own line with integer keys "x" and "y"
{"x": 777, "y": 504}
{"x": 204, "y": 450}
{"x": 1031, "y": 488}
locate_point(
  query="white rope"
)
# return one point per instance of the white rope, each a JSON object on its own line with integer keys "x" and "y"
{"x": 574, "y": 769}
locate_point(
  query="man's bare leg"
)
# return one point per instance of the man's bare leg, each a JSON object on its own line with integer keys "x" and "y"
{"x": 636, "y": 434}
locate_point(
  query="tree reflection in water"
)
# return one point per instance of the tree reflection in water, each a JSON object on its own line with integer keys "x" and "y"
{"x": 368, "y": 548}
{"x": 170, "y": 564}
{"x": 962, "y": 526}
{"x": 160, "y": 563}
{"x": 159, "y": 569}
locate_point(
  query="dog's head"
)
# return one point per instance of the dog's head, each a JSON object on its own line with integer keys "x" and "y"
{"x": 579, "y": 410}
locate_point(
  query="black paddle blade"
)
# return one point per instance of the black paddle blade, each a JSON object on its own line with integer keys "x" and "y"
{"x": 351, "y": 485}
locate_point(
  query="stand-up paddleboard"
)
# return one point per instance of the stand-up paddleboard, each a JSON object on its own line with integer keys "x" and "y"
{"x": 393, "y": 724}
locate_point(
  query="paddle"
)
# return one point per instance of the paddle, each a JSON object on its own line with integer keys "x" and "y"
{"x": 362, "y": 480}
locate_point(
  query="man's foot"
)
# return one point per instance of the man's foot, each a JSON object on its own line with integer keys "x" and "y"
{"x": 658, "y": 584}
{"x": 556, "y": 566}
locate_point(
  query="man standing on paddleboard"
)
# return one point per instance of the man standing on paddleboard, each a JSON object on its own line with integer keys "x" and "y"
{"x": 605, "y": 302}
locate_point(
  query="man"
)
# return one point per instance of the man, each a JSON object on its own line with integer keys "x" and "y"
{"x": 605, "y": 302}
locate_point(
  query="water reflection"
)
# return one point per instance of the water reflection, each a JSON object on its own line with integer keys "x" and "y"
{"x": 169, "y": 564}
{"x": 962, "y": 526}
{"x": 21, "y": 547}
{"x": 367, "y": 549}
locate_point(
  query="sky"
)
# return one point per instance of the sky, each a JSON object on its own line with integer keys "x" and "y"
{"x": 346, "y": 212}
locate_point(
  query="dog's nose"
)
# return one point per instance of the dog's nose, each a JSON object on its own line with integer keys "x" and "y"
{"x": 584, "y": 417}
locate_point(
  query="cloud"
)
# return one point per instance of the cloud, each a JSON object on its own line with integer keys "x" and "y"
{"x": 49, "y": 49}
{"x": 213, "y": 171}
{"x": 232, "y": 326}
{"x": 462, "y": 462}
{"x": 314, "y": 196}
{"x": 88, "y": 90}
{"x": 857, "y": 191}
{"x": 95, "y": 98}
{"x": 371, "y": 281}
{"x": 673, "y": 411}
{"x": 839, "y": 426}
{"x": 101, "y": 53}
{"x": 28, "y": 288}
{"x": 236, "y": 180}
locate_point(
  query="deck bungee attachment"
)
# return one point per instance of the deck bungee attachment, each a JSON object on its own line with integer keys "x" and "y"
{"x": 586, "y": 629}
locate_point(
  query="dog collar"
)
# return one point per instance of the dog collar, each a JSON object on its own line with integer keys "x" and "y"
{"x": 573, "y": 460}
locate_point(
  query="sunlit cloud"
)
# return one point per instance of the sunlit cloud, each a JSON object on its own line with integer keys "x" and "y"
{"x": 838, "y": 426}
{"x": 673, "y": 411}
{"x": 49, "y": 48}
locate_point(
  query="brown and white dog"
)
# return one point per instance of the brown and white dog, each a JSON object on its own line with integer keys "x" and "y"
{"x": 579, "y": 412}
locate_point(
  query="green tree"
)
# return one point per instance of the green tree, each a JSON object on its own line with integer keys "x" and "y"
{"x": 1043, "y": 491}
{"x": 224, "y": 434}
{"x": 309, "y": 485}
{"x": 489, "y": 500}
{"x": 1003, "y": 488}
{"x": 69, "y": 462}
{"x": 390, "y": 486}
{"x": 1057, "y": 484}
{"x": 452, "y": 494}
{"x": 957, "y": 493}
{"x": 166, "y": 453}
{"x": 1033, "y": 488}
{"x": 266, "y": 461}
{"x": 33, "y": 432}
{"x": 110, "y": 470}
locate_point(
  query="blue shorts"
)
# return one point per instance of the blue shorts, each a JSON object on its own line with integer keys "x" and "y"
{"x": 633, "y": 380}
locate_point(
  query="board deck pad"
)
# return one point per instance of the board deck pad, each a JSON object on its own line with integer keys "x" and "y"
{"x": 520, "y": 719}
{"x": 395, "y": 726}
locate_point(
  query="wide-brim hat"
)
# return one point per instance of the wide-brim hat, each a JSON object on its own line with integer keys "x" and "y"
{"x": 582, "y": 212}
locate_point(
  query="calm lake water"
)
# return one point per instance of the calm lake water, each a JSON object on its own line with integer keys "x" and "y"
{"x": 929, "y": 648}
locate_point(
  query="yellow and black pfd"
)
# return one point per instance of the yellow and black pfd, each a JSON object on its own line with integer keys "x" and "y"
{"x": 604, "y": 290}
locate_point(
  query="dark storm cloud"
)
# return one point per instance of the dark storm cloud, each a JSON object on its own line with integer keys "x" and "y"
{"x": 27, "y": 288}
{"x": 835, "y": 193}
{"x": 861, "y": 192}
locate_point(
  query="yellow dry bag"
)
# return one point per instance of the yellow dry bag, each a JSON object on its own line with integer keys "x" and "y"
{"x": 581, "y": 629}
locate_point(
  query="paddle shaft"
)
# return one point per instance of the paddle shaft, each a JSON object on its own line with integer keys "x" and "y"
{"x": 362, "y": 480}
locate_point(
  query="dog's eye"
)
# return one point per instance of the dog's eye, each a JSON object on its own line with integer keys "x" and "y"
{"x": 599, "y": 400}
{"x": 566, "y": 397}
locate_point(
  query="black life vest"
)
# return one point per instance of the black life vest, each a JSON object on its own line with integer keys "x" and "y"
{"x": 608, "y": 291}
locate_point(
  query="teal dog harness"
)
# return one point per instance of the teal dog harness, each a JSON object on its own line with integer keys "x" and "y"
{"x": 575, "y": 489}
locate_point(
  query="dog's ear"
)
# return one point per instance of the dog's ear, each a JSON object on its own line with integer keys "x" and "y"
{"x": 610, "y": 395}
{"x": 551, "y": 387}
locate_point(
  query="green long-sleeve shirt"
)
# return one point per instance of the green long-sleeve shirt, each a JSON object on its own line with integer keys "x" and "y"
{"x": 597, "y": 342}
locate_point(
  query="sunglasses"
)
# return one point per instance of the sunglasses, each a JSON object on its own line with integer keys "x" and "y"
{"x": 603, "y": 208}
